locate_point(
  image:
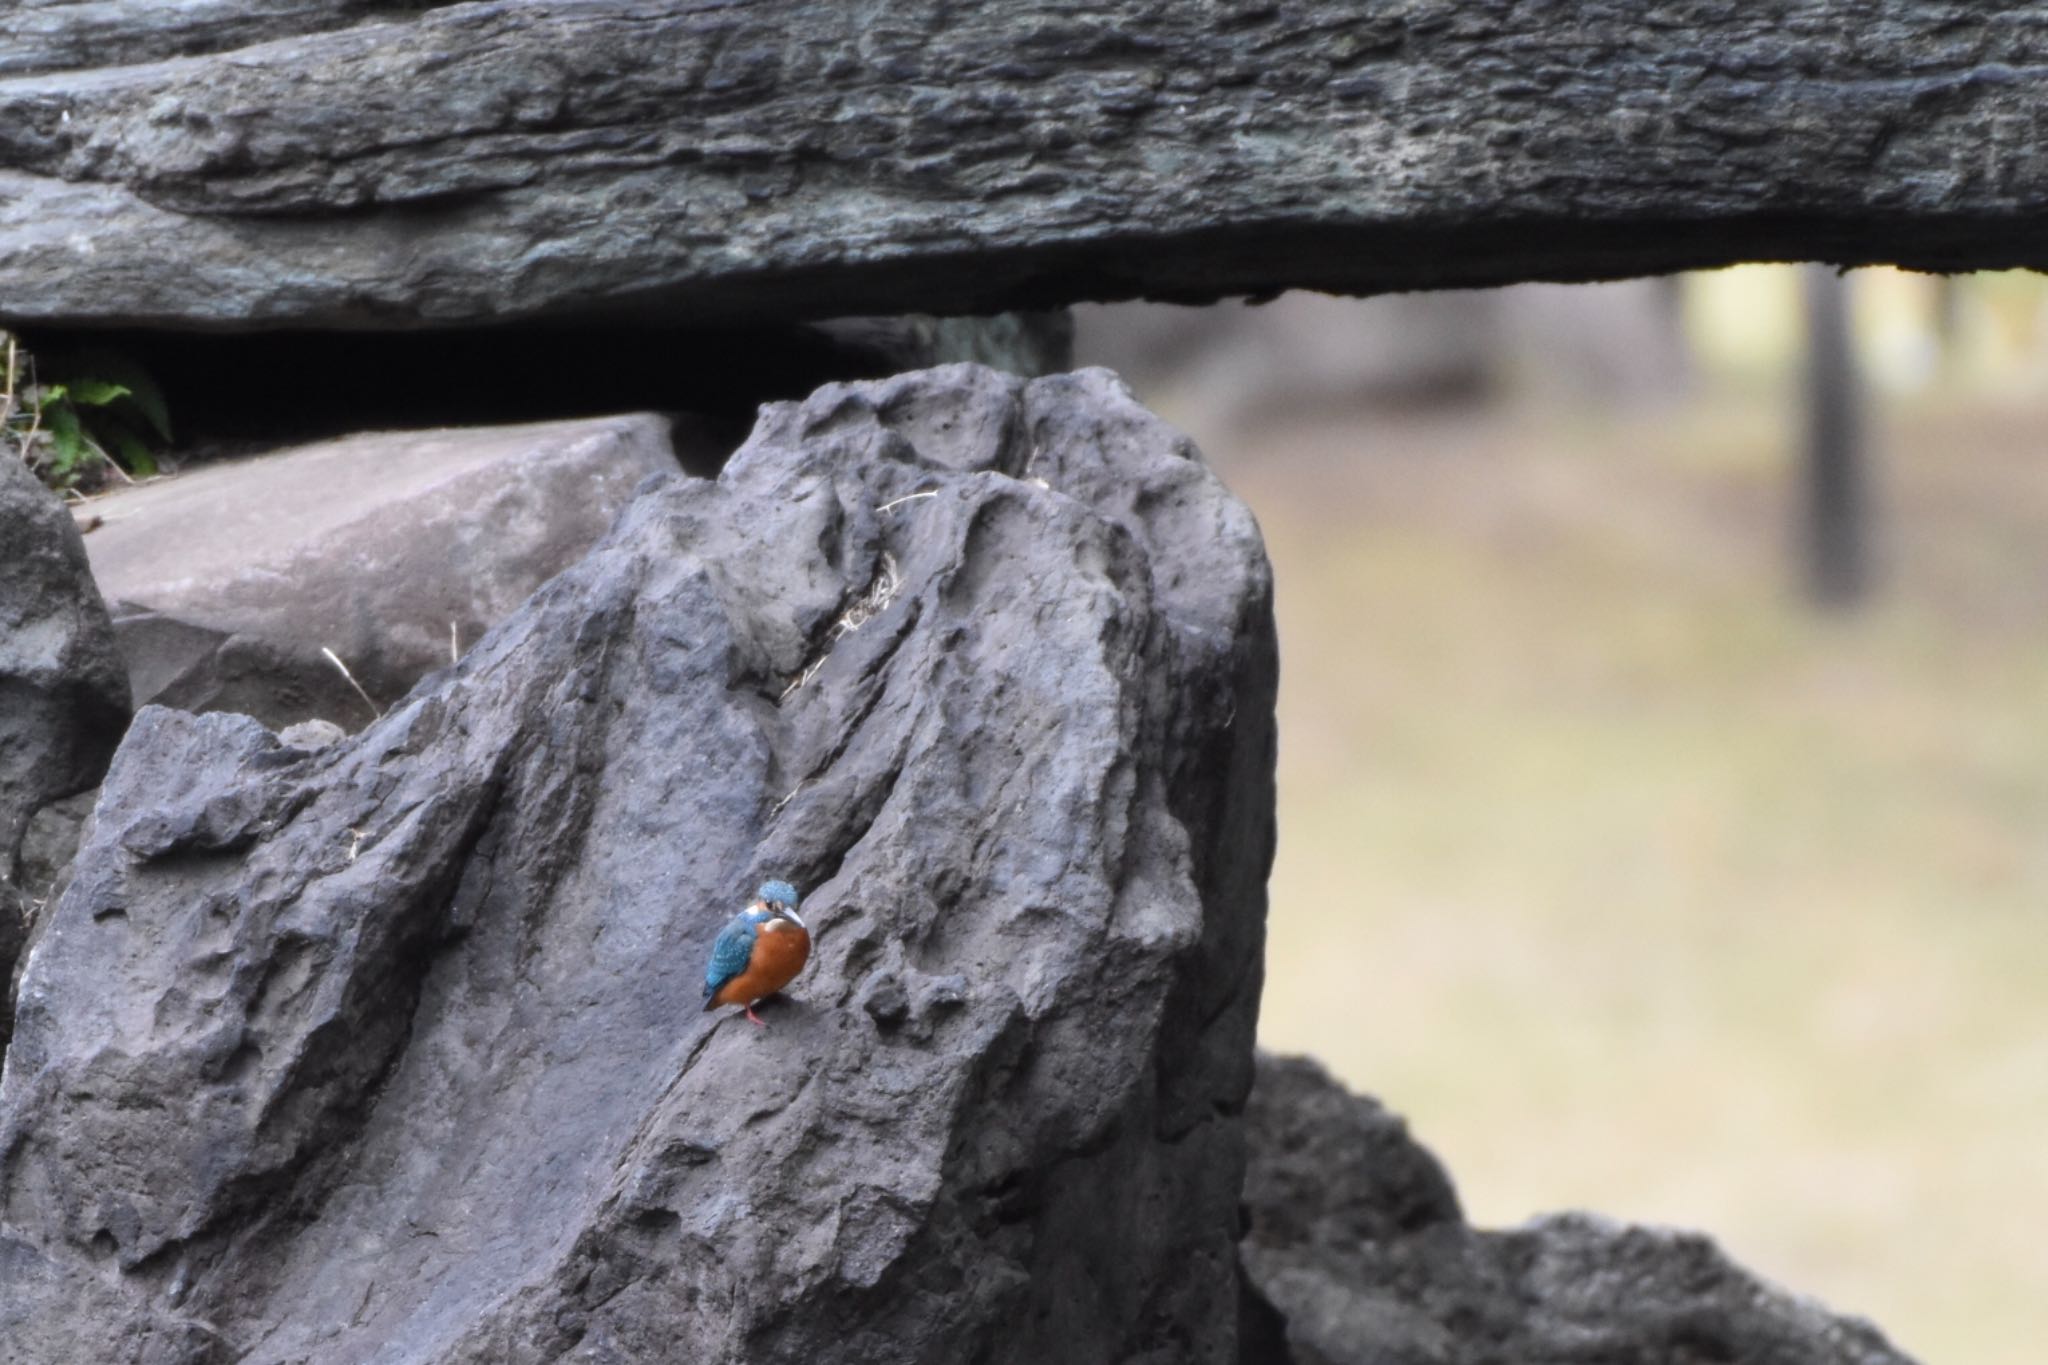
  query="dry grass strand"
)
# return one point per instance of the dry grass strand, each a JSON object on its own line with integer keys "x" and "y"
{"x": 873, "y": 600}
{"x": 335, "y": 659}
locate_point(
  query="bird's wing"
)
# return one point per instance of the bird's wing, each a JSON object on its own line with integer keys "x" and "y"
{"x": 730, "y": 954}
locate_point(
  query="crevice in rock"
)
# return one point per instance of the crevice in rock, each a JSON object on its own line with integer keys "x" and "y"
{"x": 859, "y": 608}
{"x": 229, "y": 392}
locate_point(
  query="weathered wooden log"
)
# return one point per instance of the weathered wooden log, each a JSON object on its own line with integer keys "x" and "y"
{"x": 801, "y": 158}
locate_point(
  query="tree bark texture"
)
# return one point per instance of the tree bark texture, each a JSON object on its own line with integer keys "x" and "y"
{"x": 337, "y": 164}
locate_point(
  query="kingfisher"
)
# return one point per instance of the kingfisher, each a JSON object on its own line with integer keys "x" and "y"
{"x": 758, "y": 952}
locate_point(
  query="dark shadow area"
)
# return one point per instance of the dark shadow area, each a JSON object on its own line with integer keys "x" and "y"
{"x": 227, "y": 394}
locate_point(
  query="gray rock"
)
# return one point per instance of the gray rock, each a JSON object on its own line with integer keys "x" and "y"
{"x": 1026, "y": 344}
{"x": 63, "y": 690}
{"x": 42, "y": 870}
{"x": 1356, "y": 1237}
{"x": 392, "y": 1051}
{"x": 311, "y": 735}
{"x": 49, "y": 842}
{"x": 474, "y": 163}
{"x": 1254, "y": 366}
{"x": 393, "y": 550}
{"x": 84, "y": 33}
{"x": 1247, "y": 365}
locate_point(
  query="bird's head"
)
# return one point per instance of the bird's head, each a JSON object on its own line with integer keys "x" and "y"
{"x": 778, "y": 899}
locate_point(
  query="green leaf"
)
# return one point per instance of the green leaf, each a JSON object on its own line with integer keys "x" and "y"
{"x": 66, "y": 437}
{"x": 91, "y": 402}
{"x": 98, "y": 393}
{"x": 148, "y": 399}
{"x": 133, "y": 455}
{"x": 114, "y": 367}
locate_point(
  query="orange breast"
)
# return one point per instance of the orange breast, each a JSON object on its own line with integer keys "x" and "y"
{"x": 780, "y": 951}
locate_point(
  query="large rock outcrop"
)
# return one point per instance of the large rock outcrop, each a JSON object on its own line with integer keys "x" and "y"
{"x": 63, "y": 690}
{"x": 336, "y": 163}
{"x": 1356, "y": 1237}
{"x": 391, "y": 1051}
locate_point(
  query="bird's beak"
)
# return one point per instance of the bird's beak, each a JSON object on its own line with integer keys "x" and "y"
{"x": 796, "y": 919}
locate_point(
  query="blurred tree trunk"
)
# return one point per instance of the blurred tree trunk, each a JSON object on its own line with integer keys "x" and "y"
{"x": 1836, "y": 523}
{"x": 1948, "y": 320}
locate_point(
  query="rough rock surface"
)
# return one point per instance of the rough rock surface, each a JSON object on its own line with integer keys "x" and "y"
{"x": 393, "y": 549}
{"x": 392, "y": 1050}
{"x": 1356, "y": 1237}
{"x": 780, "y": 158}
{"x": 48, "y": 843}
{"x": 63, "y": 691}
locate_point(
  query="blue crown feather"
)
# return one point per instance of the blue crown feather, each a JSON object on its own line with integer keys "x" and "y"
{"x": 778, "y": 893}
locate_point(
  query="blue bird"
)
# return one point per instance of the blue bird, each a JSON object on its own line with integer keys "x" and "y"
{"x": 760, "y": 950}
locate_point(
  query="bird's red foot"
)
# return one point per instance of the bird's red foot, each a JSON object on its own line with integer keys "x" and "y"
{"x": 756, "y": 1019}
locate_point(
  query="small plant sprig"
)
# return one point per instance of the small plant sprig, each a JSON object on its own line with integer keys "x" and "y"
{"x": 97, "y": 421}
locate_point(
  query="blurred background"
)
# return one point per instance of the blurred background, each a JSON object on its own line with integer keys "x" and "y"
{"x": 1664, "y": 751}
